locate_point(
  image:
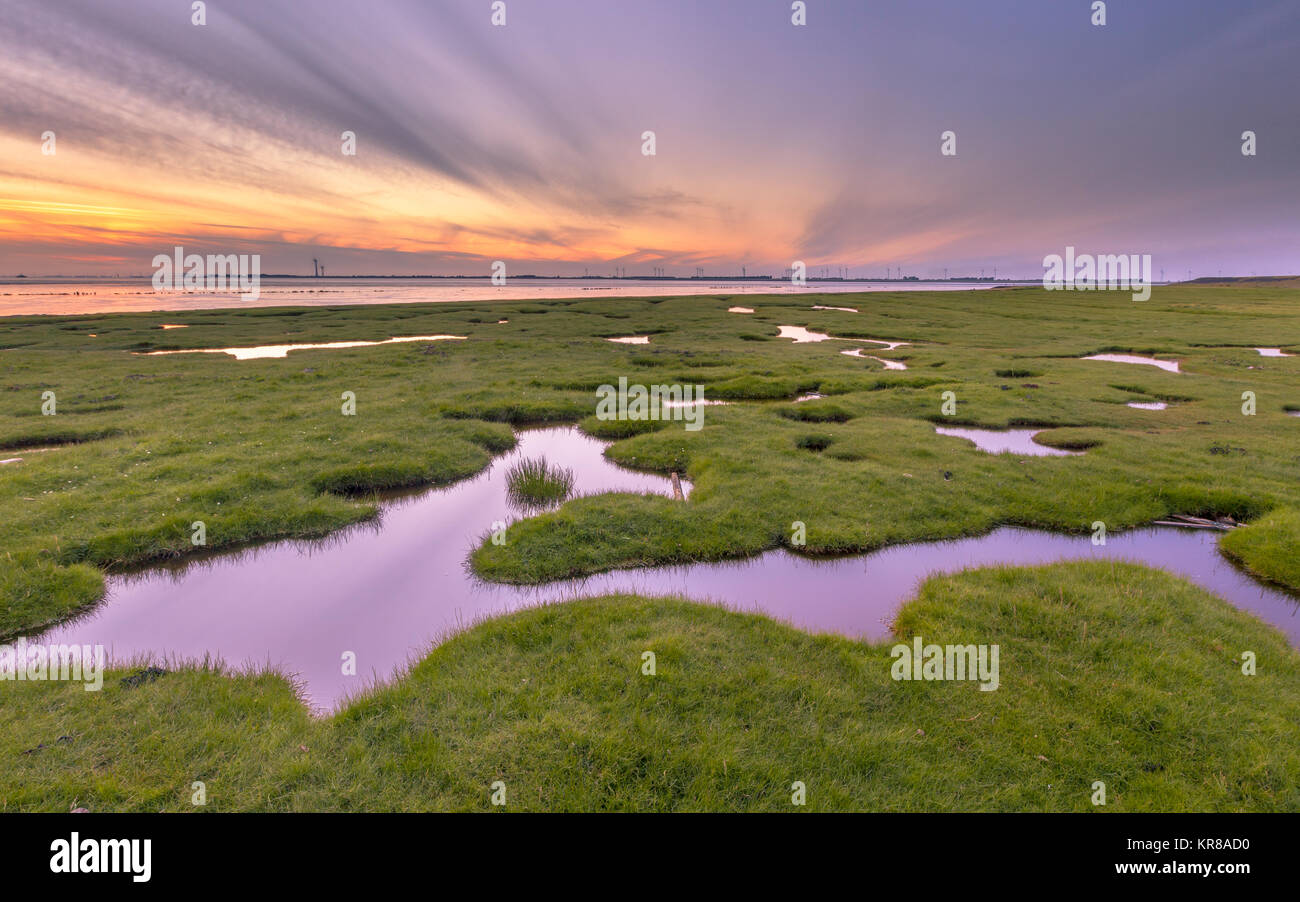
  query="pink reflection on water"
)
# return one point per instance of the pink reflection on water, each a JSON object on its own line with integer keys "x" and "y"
{"x": 1168, "y": 365}
{"x": 1006, "y": 441}
{"x": 889, "y": 364}
{"x": 802, "y": 335}
{"x": 388, "y": 590}
{"x": 263, "y": 352}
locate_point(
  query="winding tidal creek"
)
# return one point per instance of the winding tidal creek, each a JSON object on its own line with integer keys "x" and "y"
{"x": 388, "y": 590}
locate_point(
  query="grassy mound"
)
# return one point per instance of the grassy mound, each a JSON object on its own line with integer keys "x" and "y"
{"x": 1269, "y": 548}
{"x": 1108, "y": 672}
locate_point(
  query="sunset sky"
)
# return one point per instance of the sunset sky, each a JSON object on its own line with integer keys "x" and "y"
{"x": 774, "y": 142}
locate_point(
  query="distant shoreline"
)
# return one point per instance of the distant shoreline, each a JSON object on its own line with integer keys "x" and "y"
{"x": 77, "y": 297}
{"x": 69, "y": 296}
{"x": 773, "y": 280}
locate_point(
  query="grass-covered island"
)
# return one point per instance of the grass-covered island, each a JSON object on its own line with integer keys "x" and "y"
{"x": 1110, "y": 672}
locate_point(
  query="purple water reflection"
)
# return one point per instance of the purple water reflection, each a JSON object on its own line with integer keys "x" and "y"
{"x": 387, "y": 591}
{"x": 1004, "y": 441}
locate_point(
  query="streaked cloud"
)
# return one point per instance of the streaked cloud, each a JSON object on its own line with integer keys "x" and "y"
{"x": 523, "y": 143}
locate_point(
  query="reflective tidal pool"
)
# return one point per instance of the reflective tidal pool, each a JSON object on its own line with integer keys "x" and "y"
{"x": 386, "y": 591}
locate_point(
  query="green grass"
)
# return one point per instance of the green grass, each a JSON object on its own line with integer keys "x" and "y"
{"x": 141, "y": 447}
{"x": 1269, "y": 548}
{"x": 259, "y": 449}
{"x": 533, "y": 482}
{"x": 1108, "y": 672}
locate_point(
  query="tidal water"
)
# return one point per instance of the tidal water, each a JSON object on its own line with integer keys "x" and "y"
{"x": 387, "y": 591}
{"x": 1167, "y": 365}
{"x": 1005, "y": 441}
{"x": 71, "y": 296}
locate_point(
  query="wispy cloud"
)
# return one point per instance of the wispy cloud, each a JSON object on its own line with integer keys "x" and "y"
{"x": 523, "y": 143}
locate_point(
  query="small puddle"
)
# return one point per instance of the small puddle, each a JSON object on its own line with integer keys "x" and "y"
{"x": 632, "y": 340}
{"x": 260, "y": 352}
{"x": 889, "y": 364}
{"x": 811, "y": 396}
{"x": 740, "y": 309}
{"x": 1272, "y": 352}
{"x": 1147, "y": 405}
{"x": 173, "y": 326}
{"x": 1170, "y": 365}
{"x": 841, "y": 309}
{"x": 387, "y": 591}
{"x": 802, "y": 335}
{"x": 1006, "y": 441}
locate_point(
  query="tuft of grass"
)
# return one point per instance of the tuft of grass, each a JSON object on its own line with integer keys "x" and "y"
{"x": 814, "y": 442}
{"x": 532, "y": 482}
{"x": 1070, "y": 439}
{"x": 815, "y": 412}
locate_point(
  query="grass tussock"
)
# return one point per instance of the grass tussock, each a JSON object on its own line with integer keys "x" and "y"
{"x": 533, "y": 482}
{"x": 816, "y": 412}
